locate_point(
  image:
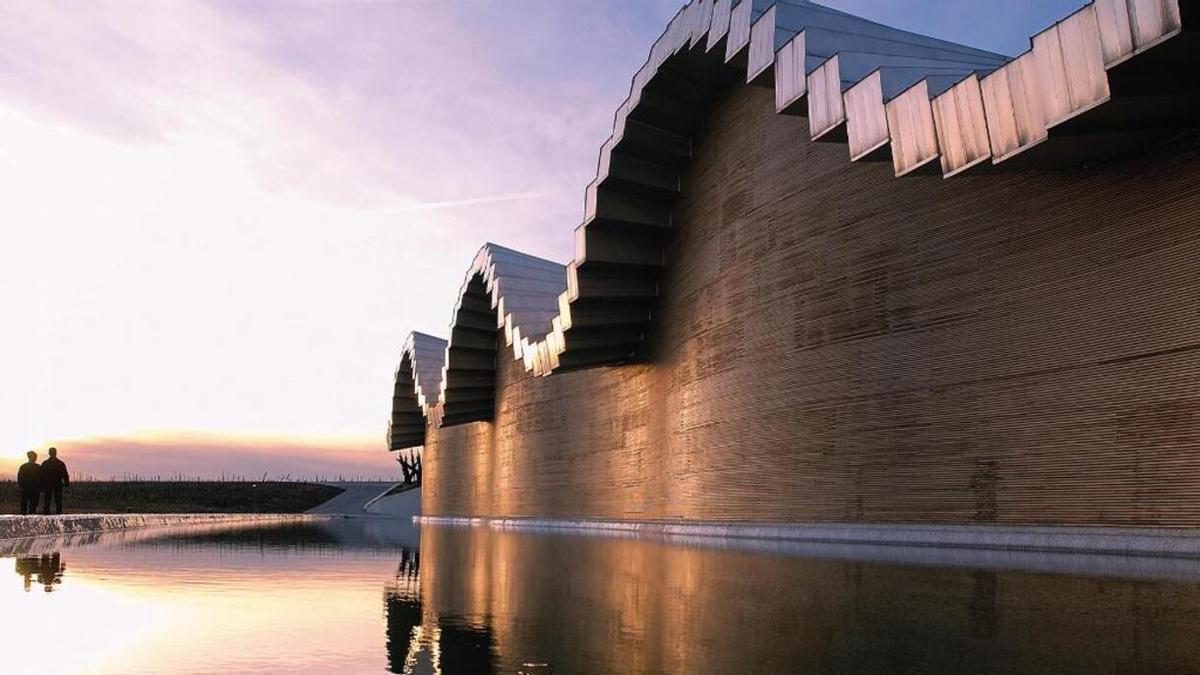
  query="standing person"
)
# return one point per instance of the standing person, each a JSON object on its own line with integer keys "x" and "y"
{"x": 29, "y": 479}
{"x": 54, "y": 479}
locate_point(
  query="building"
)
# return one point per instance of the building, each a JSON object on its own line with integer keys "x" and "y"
{"x": 830, "y": 271}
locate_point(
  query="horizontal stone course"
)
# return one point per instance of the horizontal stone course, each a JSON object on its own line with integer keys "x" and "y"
{"x": 19, "y": 527}
{"x": 1161, "y": 542}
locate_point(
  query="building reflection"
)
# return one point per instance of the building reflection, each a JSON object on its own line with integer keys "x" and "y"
{"x": 483, "y": 601}
{"x": 291, "y": 536}
{"x": 48, "y": 570}
{"x": 402, "y": 608}
{"x": 422, "y": 641}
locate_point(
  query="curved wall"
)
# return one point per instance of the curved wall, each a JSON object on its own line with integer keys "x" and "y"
{"x": 834, "y": 344}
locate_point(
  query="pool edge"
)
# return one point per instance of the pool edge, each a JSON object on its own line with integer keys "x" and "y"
{"x": 1126, "y": 541}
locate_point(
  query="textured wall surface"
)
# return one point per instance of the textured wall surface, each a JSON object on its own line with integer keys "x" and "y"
{"x": 836, "y": 344}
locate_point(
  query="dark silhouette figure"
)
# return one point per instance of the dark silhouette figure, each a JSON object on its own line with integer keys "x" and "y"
{"x": 48, "y": 568}
{"x": 29, "y": 480}
{"x": 54, "y": 479}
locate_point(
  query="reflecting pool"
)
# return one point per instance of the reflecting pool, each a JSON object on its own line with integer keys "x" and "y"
{"x": 377, "y": 595}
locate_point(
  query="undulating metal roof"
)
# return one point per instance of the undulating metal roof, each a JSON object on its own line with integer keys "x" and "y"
{"x": 417, "y": 385}
{"x": 1109, "y": 78}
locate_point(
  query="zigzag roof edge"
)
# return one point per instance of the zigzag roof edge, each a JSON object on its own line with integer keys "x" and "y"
{"x": 928, "y": 106}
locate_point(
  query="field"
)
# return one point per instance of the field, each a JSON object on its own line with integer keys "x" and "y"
{"x": 181, "y": 497}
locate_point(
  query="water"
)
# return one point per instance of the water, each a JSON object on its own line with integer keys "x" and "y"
{"x": 373, "y": 596}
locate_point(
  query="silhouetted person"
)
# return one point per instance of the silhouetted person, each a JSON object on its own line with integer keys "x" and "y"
{"x": 50, "y": 571}
{"x": 48, "y": 568}
{"x": 26, "y": 567}
{"x": 54, "y": 479}
{"x": 29, "y": 480}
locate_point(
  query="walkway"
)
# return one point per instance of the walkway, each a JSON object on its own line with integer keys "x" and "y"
{"x": 351, "y": 501}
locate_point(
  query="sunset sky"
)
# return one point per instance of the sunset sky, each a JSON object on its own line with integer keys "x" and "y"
{"x": 219, "y": 220}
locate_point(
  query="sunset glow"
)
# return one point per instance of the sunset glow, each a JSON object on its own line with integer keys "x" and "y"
{"x": 120, "y": 618}
{"x": 223, "y": 218}
{"x": 106, "y": 624}
{"x": 541, "y": 337}
{"x": 190, "y": 454}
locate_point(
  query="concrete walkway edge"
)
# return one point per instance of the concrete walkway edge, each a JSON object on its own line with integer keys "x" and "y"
{"x": 1177, "y": 543}
{"x": 352, "y": 500}
{"x": 20, "y": 527}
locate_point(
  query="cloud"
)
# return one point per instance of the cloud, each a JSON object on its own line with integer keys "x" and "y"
{"x": 171, "y": 454}
{"x": 469, "y": 201}
{"x": 227, "y": 215}
{"x": 370, "y": 104}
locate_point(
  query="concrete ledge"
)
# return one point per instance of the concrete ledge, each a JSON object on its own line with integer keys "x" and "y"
{"x": 1174, "y": 543}
{"x": 19, "y": 527}
{"x": 406, "y": 504}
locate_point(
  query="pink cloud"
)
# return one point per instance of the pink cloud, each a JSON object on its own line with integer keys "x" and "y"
{"x": 188, "y": 454}
{"x": 371, "y": 105}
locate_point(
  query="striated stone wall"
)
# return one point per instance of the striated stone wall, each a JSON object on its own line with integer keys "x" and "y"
{"x": 836, "y": 344}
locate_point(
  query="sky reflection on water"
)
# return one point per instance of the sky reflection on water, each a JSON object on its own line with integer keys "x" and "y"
{"x": 373, "y": 595}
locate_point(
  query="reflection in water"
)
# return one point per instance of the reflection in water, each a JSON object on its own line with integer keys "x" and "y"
{"x": 983, "y": 605}
{"x": 460, "y": 601}
{"x": 586, "y": 605}
{"x": 402, "y": 604}
{"x": 285, "y": 536}
{"x": 466, "y": 649}
{"x": 189, "y": 600}
{"x": 48, "y": 568}
{"x": 418, "y": 642}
